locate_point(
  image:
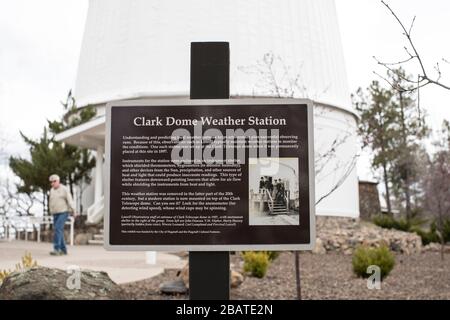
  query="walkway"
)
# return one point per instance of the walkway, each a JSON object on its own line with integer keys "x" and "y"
{"x": 122, "y": 267}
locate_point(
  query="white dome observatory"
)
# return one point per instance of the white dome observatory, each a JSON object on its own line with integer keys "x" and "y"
{"x": 283, "y": 48}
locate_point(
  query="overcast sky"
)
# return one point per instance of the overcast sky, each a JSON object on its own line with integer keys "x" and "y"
{"x": 40, "y": 43}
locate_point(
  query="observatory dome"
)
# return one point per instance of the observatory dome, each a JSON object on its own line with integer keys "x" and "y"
{"x": 282, "y": 48}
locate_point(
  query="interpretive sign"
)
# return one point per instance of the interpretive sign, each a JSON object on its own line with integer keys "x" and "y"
{"x": 213, "y": 175}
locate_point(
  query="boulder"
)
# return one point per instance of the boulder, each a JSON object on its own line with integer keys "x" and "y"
{"x": 345, "y": 234}
{"x": 173, "y": 287}
{"x": 184, "y": 275}
{"x": 82, "y": 239}
{"x": 319, "y": 247}
{"x": 236, "y": 278}
{"x": 432, "y": 247}
{"x": 41, "y": 283}
{"x": 436, "y": 247}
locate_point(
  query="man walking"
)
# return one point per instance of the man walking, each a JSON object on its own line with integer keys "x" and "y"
{"x": 60, "y": 205}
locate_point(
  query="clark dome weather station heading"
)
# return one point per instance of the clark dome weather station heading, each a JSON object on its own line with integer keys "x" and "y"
{"x": 143, "y": 121}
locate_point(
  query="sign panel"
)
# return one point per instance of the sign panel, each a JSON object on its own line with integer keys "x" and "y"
{"x": 212, "y": 175}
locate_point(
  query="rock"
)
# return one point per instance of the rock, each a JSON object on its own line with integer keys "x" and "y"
{"x": 40, "y": 283}
{"x": 184, "y": 275}
{"x": 46, "y": 236}
{"x": 82, "y": 239}
{"x": 432, "y": 247}
{"x": 345, "y": 234}
{"x": 173, "y": 287}
{"x": 236, "y": 279}
{"x": 319, "y": 247}
{"x": 395, "y": 247}
{"x": 348, "y": 252}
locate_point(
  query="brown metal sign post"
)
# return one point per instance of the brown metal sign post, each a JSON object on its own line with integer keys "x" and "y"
{"x": 209, "y": 272}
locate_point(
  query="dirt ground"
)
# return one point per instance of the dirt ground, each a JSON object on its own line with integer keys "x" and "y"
{"x": 328, "y": 276}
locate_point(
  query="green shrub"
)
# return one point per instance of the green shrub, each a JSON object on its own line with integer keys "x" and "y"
{"x": 446, "y": 232}
{"x": 426, "y": 236}
{"x": 414, "y": 225}
{"x": 384, "y": 221}
{"x": 432, "y": 235}
{"x": 256, "y": 263}
{"x": 402, "y": 224}
{"x": 272, "y": 255}
{"x": 364, "y": 256}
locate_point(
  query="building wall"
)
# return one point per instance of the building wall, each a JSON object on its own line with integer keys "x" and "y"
{"x": 369, "y": 200}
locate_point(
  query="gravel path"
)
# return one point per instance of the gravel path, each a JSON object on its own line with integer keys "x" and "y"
{"x": 330, "y": 276}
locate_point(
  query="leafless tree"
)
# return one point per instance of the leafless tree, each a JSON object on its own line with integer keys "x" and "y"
{"x": 437, "y": 186}
{"x": 424, "y": 78}
{"x": 437, "y": 192}
{"x": 13, "y": 202}
{"x": 274, "y": 78}
{"x": 3, "y": 144}
{"x": 6, "y": 201}
{"x": 10, "y": 200}
{"x": 330, "y": 161}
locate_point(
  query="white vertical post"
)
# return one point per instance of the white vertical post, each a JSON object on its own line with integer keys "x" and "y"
{"x": 98, "y": 174}
{"x": 72, "y": 222}
{"x": 150, "y": 257}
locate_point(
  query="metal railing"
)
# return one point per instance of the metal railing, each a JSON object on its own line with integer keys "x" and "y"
{"x": 36, "y": 223}
{"x": 270, "y": 202}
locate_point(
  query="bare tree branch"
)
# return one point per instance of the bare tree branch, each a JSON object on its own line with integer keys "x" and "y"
{"x": 341, "y": 180}
{"x": 423, "y": 79}
{"x": 277, "y": 78}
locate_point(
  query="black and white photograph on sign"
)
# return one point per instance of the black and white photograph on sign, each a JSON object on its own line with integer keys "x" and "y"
{"x": 273, "y": 191}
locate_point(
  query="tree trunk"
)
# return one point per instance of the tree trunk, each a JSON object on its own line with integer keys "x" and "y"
{"x": 71, "y": 184}
{"x": 386, "y": 186}
{"x": 408, "y": 199}
{"x": 405, "y": 161}
{"x": 440, "y": 227}
{"x": 80, "y": 196}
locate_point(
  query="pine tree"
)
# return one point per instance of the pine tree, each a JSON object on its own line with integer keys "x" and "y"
{"x": 79, "y": 160}
{"x": 410, "y": 129}
{"x": 376, "y": 129}
{"x": 47, "y": 156}
{"x": 392, "y": 125}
